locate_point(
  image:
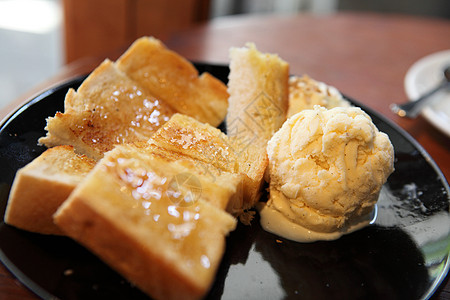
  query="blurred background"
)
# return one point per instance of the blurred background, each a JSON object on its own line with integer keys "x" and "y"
{"x": 38, "y": 37}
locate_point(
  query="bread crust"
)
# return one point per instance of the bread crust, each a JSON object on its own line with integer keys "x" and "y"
{"x": 172, "y": 78}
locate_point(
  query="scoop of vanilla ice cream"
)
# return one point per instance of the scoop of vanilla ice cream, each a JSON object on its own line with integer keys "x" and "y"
{"x": 305, "y": 93}
{"x": 327, "y": 167}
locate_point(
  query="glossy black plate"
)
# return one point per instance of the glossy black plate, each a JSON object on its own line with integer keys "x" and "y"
{"x": 403, "y": 255}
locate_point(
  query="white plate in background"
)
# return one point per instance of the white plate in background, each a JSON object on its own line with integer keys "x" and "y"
{"x": 424, "y": 75}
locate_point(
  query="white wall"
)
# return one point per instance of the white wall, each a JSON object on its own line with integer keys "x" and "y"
{"x": 30, "y": 45}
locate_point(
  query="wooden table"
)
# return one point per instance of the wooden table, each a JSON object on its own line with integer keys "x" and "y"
{"x": 365, "y": 56}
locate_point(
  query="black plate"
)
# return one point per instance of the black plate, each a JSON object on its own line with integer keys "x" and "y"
{"x": 403, "y": 255}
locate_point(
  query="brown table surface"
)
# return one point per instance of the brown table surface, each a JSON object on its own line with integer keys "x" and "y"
{"x": 365, "y": 56}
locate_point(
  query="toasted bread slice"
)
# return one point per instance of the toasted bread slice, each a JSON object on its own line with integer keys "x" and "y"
{"x": 30, "y": 205}
{"x": 258, "y": 88}
{"x": 305, "y": 93}
{"x": 173, "y": 79}
{"x": 214, "y": 152}
{"x": 107, "y": 109}
{"x": 226, "y": 189}
{"x": 200, "y": 141}
{"x": 128, "y": 212}
{"x": 218, "y": 176}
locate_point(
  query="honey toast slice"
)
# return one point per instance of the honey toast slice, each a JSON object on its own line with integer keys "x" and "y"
{"x": 160, "y": 233}
{"x": 258, "y": 88}
{"x": 171, "y": 78}
{"x": 107, "y": 109}
{"x": 42, "y": 186}
{"x": 215, "y": 152}
{"x": 226, "y": 189}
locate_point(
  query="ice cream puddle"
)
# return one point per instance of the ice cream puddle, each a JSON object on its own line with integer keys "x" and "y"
{"x": 326, "y": 169}
{"x": 275, "y": 222}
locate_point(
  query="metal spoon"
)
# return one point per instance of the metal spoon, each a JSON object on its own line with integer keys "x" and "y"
{"x": 413, "y": 108}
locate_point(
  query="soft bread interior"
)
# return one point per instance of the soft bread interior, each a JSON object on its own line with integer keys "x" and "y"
{"x": 42, "y": 186}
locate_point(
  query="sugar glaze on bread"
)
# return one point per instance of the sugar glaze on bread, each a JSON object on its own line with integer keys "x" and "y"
{"x": 158, "y": 232}
{"x": 128, "y": 100}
